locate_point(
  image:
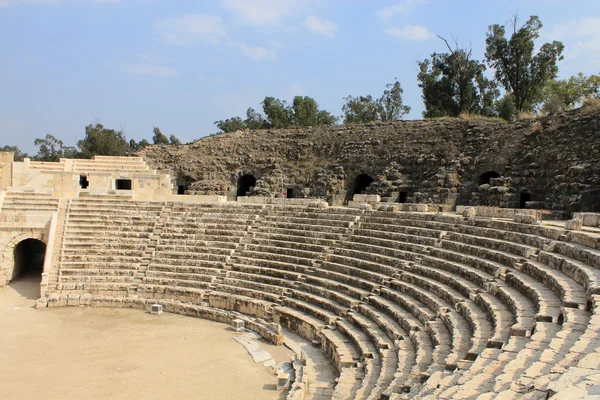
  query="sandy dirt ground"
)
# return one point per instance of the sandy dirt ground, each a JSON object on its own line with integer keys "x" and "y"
{"x": 90, "y": 353}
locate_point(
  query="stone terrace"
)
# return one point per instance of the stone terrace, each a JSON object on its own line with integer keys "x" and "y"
{"x": 405, "y": 304}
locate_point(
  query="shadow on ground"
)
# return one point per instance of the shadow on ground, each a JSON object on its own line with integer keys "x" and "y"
{"x": 27, "y": 286}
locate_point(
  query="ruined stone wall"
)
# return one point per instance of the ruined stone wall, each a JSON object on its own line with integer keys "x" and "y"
{"x": 552, "y": 162}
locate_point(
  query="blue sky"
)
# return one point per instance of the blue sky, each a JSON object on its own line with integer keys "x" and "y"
{"x": 181, "y": 65}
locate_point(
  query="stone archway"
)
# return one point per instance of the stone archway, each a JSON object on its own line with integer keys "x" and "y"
{"x": 29, "y": 259}
{"x": 245, "y": 184}
{"x": 361, "y": 182}
{"x": 7, "y": 265}
{"x": 484, "y": 179}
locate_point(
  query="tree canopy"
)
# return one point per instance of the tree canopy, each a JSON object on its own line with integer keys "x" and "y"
{"x": 521, "y": 72}
{"x": 389, "y": 107}
{"x": 302, "y": 112}
{"x": 159, "y": 137}
{"x": 566, "y": 94}
{"x": 454, "y": 83}
{"x": 52, "y": 149}
{"x": 99, "y": 140}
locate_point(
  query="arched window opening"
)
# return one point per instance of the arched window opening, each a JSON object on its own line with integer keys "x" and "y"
{"x": 361, "y": 182}
{"x": 245, "y": 184}
{"x": 484, "y": 179}
{"x": 29, "y": 259}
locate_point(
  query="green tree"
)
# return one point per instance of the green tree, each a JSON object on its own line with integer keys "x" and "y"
{"x": 593, "y": 86}
{"x": 563, "y": 95}
{"x": 521, "y": 72}
{"x": 360, "y": 110}
{"x": 454, "y": 83}
{"x": 277, "y": 112}
{"x": 52, "y": 149}
{"x": 391, "y": 105}
{"x": 305, "y": 111}
{"x": 158, "y": 137}
{"x": 18, "y": 154}
{"x": 326, "y": 118}
{"x": 505, "y": 108}
{"x": 567, "y": 94}
{"x": 134, "y": 146}
{"x": 254, "y": 119}
{"x": 101, "y": 141}
{"x": 231, "y": 124}
{"x": 173, "y": 139}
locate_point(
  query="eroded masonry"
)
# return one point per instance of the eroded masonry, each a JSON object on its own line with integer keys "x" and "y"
{"x": 382, "y": 245}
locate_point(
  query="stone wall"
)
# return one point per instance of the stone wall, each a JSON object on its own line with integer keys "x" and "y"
{"x": 552, "y": 162}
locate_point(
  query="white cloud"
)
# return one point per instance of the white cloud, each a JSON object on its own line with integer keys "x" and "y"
{"x": 321, "y": 26}
{"x": 186, "y": 29}
{"x": 411, "y": 32}
{"x": 403, "y": 7}
{"x": 582, "y": 44}
{"x": 208, "y": 28}
{"x": 153, "y": 70}
{"x": 263, "y": 13}
{"x": 256, "y": 53}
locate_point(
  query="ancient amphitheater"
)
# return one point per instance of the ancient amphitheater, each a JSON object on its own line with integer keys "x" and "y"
{"x": 407, "y": 299}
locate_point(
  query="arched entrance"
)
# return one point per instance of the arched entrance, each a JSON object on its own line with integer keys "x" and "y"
{"x": 361, "y": 182}
{"x": 29, "y": 259}
{"x": 484, "y": 179}
{"x": 245, "y": 183}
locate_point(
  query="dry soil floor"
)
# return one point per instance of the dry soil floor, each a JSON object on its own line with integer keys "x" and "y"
{"x": 90, "y": 353}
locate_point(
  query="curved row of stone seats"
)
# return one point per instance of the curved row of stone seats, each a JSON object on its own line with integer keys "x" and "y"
{"x": 406, "y": 304}
{"x": 276, "y": 253}
{"x": 105, "y": 245}
{"x": 195, "y": 243}
{"x": 360, "y": 262}
{"x": 29, "y": 201}
{"x": 444, "y": 254}
{"x": 295, "y": 226}
{"x": 567, "y": 290}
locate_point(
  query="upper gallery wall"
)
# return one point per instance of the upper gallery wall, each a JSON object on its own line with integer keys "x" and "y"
{"x": 551, "y": 162}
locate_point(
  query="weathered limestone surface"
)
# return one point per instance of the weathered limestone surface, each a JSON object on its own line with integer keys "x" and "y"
{"x": 436, "y": 161}
{"x": 406, "y": 304}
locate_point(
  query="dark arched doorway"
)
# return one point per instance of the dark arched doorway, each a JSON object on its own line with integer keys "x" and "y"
{"x": 484, "y": 179}
{"x": 29, "y": 259}
{"x": 361, "y": 182}
{"x": 245, "y": 183}
{"x": 525, "y": 197}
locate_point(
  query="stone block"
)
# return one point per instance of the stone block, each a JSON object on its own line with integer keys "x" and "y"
{"x": 238, "y": 324}
{"x": 469, "y": 212}
{"x": 421, "y": 208}
{"x": 525, "y": 219}
{"x": 574, "y": 224}
{"x": 73, "y": 300}
{"x": 367, "y": 198}
{"x": 41, "y": 303}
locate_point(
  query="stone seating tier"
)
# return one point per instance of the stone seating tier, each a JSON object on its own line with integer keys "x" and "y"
{"x": 406, "y": 304}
